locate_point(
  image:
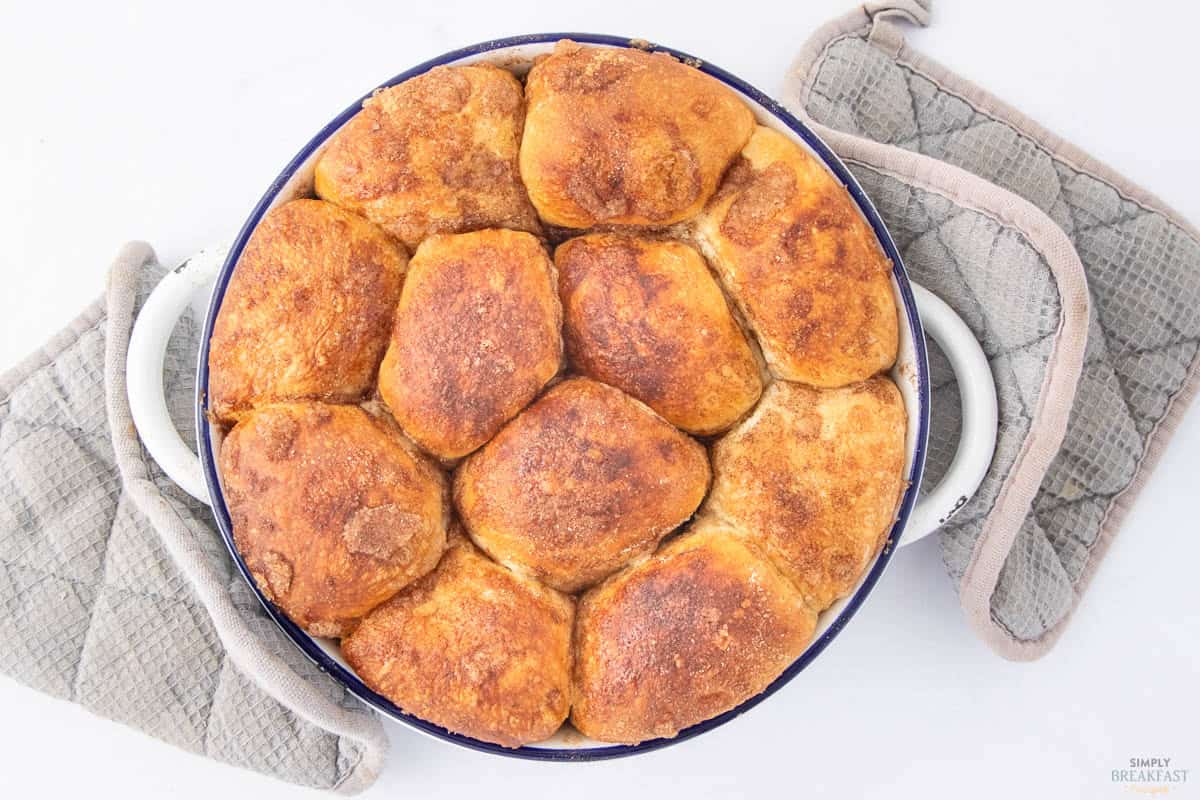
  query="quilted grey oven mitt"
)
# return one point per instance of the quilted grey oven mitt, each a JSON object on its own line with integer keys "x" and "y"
{"x": 116, "y": 591}
{"x": 1013, "y": 227}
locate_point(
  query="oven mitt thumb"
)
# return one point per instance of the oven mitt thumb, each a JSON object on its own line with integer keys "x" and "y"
{"x": 1020, "y": 232}
{"x": 115, "y": 589}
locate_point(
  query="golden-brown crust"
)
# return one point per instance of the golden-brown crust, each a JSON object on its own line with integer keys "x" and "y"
{"x": 814, "y": 476}
{"x": 474, "y": 648}
{"x": 477, "y": 335}
{"x": 342, "y": 520}
{"x": 307, "y": 312}
{"x": 646, "y": 316}
{"x": 802, "y": 264}
{"x": 701, "y": 626}
{"x": 435, "y": 154}
{"x": 333, "y": 512}
{"x": 622, "y": 136}
{"x": 580, "y": 483}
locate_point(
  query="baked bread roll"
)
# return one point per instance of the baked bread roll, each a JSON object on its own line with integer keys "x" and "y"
{"x": 803, "y": 265}
{"x": 477, "y": 335}
{"x": 562, "y": 485}
{"x": 333, "y": 512}
{"x": 701, "y": 626}
{"x": 435, "y": 154}
{"x": 472, "y": 647}
{"x": 625, "y": 137}
{"x": 580, "y": 483}
{"x": 646, "y": 316}
{"x": 814, "y": 478}
{"x": 307, "y": 312}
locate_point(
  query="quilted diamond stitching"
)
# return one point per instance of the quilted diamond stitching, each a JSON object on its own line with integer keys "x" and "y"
{"x": 895, "y": 201}
{"x": 91, "y": 607}
{"x": 857, "y": 82}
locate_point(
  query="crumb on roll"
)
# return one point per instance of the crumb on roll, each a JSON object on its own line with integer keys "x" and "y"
{"x": 580, "y": 483}
{"x": 620, "y": 136}
{"x": 333, "y": 512}
{"x": 802, "y": 264}
{"x": 814, "y": 477}
{"x": 307, "y": 313}
{"x": 647, "y": 316}
{"x": 474, "y": 648}
{"x": 435, "y": 154}
{"x": 701, "y": 626}
{"x": 477, "y": 335}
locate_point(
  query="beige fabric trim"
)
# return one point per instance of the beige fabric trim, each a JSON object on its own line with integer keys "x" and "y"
{"x": 1063, "y": 369}
{"x": 1162, "y": 432}
{"x": 889, "y": 38}
{"x": 796, "y": 87}
{"x": 265, "y": 668}
{"x": 1057, "y": 394}
{"x": 883, "y": 33}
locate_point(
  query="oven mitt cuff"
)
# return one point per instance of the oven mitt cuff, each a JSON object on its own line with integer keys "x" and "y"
{"x": 117, "y": 592}
{"x": 1020, "y": 232}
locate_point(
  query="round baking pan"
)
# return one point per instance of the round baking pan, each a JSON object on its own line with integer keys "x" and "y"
{"x": 203, "y": 280}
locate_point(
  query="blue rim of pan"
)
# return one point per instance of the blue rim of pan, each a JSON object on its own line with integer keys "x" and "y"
{"x": 347, "y": 678}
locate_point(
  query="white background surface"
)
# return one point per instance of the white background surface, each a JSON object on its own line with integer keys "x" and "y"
{"x": 166, "y": 122}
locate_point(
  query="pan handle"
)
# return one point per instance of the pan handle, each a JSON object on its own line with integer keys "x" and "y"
{"x": 980, "y": 416}
{"x": 192, "y": 281}
{"x": 160, "y": 314}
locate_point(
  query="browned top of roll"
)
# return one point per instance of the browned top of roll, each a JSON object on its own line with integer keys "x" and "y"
{"x": 435, "y": 154}
{"x": 698, "y": 628}
{"x": 473, "y": 648}
{"x": 332, "y": 511}
{"x": 814, "y": 476}
{"x": 803, "y": 265}
{"x": 622, "y": 136}
{"x": 307, "y": 312}
{"x": 477, "y": 335}
{"x": 578, "y": 484}
{"x": 646, "y": 316}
